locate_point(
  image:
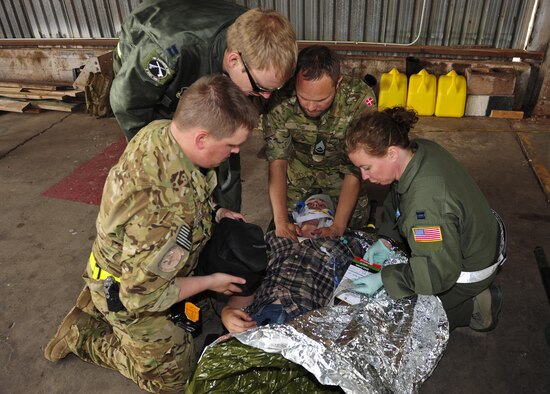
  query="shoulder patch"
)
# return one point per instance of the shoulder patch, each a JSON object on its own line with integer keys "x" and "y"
{"x": 184, "y": 237}
{"x": 172, "y": 50}
{"x": 369, "y": 101}
{"x": 427, "y": 234}
{"x": 171, "y": 259}
{"x": 157, "y": 69}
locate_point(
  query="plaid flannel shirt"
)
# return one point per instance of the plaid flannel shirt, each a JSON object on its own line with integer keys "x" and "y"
{"x": 303, "y": 275}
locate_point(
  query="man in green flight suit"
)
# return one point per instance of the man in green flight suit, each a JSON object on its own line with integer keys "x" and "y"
{"x": 155, "y": 217}
{"x": 165, "y": 45}
{"x": 305, "y": 133}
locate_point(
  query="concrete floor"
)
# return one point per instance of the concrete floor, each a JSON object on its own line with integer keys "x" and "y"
{"x": 45, "y": 242}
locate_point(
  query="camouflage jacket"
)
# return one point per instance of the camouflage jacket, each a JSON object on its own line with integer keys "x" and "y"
{"x": 154, "y": 219}
{"x": 164, "y": 47}
{"x": 291, "y": 136}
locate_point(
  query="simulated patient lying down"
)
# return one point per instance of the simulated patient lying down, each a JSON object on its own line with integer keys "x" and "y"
{"x": 300, "y": 277}
{"x": 376, "y": 345}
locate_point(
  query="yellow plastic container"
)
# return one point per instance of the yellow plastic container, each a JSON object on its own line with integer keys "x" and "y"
{"x": 393, "y": 90}
{"x": 451, "y": 95}
{"x": 421, "y": 94}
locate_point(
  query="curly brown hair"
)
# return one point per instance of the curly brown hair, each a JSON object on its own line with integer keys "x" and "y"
{"x": 375, "y": 132}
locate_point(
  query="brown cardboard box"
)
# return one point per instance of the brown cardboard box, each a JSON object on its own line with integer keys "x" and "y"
{"x": 490, "y": 81}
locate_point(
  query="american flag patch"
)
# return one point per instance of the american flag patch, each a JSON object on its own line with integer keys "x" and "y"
{"x": 185, "y": 237}
{"x": 427, "y": 234}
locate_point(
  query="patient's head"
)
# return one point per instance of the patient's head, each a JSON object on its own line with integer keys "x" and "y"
{"x": 316, "y": 203}
{"x": 316, "y": 212}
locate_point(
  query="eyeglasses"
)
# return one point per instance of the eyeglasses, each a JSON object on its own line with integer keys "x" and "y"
{"x": 255, "y": 87}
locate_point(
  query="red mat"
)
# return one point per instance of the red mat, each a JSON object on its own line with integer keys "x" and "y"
{"x": 85, "y": 184}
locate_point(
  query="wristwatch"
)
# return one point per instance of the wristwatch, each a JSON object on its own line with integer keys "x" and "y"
{"x": 394, "y": 246}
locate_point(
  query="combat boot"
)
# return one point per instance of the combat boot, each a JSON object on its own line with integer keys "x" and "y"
{"x": 60, "y": 345}
{"x": 487, "y": 306}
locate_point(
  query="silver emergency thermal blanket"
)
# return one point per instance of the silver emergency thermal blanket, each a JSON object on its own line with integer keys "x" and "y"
{"x": 379, "y": 345}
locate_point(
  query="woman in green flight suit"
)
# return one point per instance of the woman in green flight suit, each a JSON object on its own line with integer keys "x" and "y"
{"x": 437, "y": 211}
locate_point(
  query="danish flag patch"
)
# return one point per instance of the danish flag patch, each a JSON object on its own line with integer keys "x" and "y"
{"x": 369, "y": 101}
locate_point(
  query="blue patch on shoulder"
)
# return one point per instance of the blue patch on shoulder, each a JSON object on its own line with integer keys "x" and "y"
{"x": 172, "y": 50}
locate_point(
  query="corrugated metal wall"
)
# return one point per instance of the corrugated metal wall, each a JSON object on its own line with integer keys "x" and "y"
{"x": 487, "y": 23}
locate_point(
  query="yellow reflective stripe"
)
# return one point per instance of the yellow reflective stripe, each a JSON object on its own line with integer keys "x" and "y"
{"x": 118, "y": 51}
{"x": 97, "y": 272}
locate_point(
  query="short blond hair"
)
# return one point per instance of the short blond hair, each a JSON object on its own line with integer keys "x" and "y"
{"x": 265, "y": 38}
{"x": 216, "y": 104}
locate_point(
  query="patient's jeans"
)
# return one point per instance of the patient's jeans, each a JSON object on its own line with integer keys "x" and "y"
{"x": 270, "y": 314}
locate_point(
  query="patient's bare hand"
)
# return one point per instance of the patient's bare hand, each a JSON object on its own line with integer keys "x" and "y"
{"x": 236, "y": 320}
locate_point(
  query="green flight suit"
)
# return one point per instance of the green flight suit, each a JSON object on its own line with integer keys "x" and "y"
{"x": 313, "y": 148}
{"x": 438, "y": 210}
{"x": 154, "y": 220}
{"x": 165, "y": 46}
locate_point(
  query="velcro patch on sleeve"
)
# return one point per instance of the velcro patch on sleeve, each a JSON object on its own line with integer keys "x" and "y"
{"x": 427, "y": 234}
{"x": 157, "y": 68}
{"x": 184, "y": 237}
{"x": 370, "y": 101}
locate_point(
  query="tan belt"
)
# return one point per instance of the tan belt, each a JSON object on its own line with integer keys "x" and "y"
{"x": 97, "y": 272}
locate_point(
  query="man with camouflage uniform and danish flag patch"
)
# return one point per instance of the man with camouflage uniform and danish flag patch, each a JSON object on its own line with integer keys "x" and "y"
{"x": 166, "y": 45}
{"x": 155, "y": 218}
{"x": 305, "y": 132}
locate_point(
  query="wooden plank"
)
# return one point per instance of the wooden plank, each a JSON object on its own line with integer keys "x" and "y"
{"x": 10, "y": 89}
{"x": 34, "y": 85}
{"x": 497, "y": 113}
{"x": 50, "y": 94}
{"x": 56, "y": 105}
{"x": 36, "y": 96}
{"x": 69, "y": 92}
{"x": 13, "y": 105}
{"x": 101, "y": 64}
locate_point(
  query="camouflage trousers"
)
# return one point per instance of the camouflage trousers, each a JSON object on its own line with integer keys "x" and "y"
{"x": 149, "y": 349}
{"x": 300, "y": 185}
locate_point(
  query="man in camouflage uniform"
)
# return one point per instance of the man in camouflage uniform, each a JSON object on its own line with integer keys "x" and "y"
{"x": 154, "y": 219}
{"x": 166, "y": 45}
{"x": 304, "y": 134}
